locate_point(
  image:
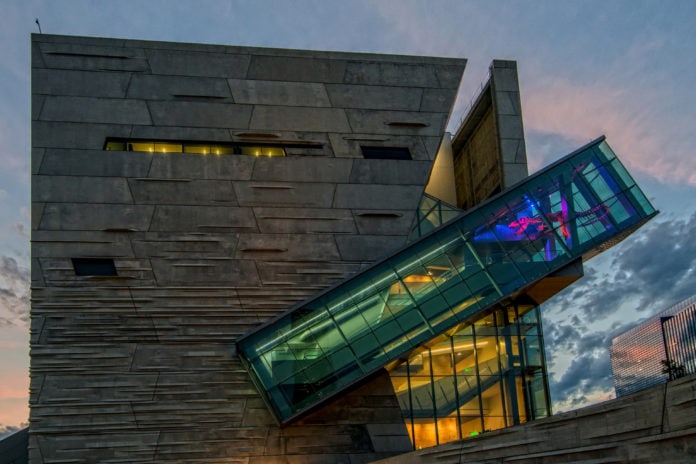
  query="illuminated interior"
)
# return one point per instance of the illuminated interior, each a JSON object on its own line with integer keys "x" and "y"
{"x": 484, "y": 376}
{"x": 202, "y": 148}
{"x": 449, "y": 278}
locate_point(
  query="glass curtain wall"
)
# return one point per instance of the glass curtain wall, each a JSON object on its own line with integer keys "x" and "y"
{"x": 576, "y": 208}
{"x": 485, "y": 376}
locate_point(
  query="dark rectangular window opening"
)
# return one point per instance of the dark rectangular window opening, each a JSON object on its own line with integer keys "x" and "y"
{"x": 94, "y": 266}
{"x": 395, "y": 153}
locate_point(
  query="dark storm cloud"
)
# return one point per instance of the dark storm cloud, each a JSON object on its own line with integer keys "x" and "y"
{"x": 589, "y": 372}
{"x": 6, "y": 430}
{"x": 650, "y": 270}
{"x": 14, "y": 292}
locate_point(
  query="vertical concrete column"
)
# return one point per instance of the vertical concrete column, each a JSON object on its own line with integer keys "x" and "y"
{"x": 508, "y": 112}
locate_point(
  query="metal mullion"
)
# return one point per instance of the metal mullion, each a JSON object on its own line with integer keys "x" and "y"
{"x": 456, "y": 387}
{"x": 478, "y": 378}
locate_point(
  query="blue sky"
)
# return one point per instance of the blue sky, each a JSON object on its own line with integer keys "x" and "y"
{"x": 621, "y": 68}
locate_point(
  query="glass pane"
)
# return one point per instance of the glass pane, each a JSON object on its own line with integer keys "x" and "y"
{"x": 141, "y": 146}
{"x": 262, "y": 151}
{"x": 487, "y": 254}
{"x": 201, "y": 149}
{"x": 168, "y": 148}
{"x": 115, "y": 146}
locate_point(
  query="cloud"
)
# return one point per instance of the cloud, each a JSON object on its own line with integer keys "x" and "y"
{"x": 649, "y": 272}
{"x": 646, "y": 274}
{"x": 21, "y": 229}
{"x": 6, "y": 430}
{"x": 654, "y": 143}
{"x": 14, "y": 292}
{"x": 588, "y": 378}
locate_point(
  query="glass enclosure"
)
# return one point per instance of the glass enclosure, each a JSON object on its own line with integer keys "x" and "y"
{"x": 575, "y": 208}
{"x": 430, "y": 215}
{"x": 485, "y": 376}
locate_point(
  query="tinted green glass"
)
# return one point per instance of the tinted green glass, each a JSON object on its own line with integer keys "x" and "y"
{"x": 560, "y": 214}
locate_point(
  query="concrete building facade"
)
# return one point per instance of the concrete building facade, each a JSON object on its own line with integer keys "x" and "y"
{"x": 138, "y": 364}
{"x": 187, "y": 199}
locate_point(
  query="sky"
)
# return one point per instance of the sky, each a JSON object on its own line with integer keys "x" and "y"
{"x": 625, "y": 69}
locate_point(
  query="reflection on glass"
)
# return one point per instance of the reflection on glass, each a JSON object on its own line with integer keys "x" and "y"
{"x": 475, "y": 380}
{"x": 573, "y": 209}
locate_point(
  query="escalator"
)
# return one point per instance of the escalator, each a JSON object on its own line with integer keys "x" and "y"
{"x": 572, "y": 210}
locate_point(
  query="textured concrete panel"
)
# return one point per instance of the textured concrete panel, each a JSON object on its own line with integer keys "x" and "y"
{"x": 309, "y": 274}
{"x": 292, "y": 169}
{"x": 75, "y": 244}
{"x": 505, "y": 76}
{"x": 184, "y": 245}
{"x": 397, "y": 122}
{"x": 261, "y": 193}
{"x": 295, "y": 69}
{"x": 75, "y": 135}
{"x": 156, "y": 87}
{"x": 375, "y": 171}
{"x": 509, "y": 126}
{"x": 80, "y": 216}
{"x": 205, "y": 272}
{"x": 100, "y": 387}
{"x": 190, "y": 166}
{"x": 513, "y": 151}
{"x": 368, "y": 247}
{"x": 204, "y": 134}
{"x": 304, "y": 220}
{"x": 508, "y": 103}
{"x": 397, "y": 74}
{"x": 514, "y": 172}
{"x": 438, "y": 100}
{"x": 386, "y": 222}
{"x": 92, "y": 57}
{"x": 375, "y": 97}
{"x": 194, "y": 192}
{"x": 94, "y": 163}
{"x": 377, "y": 196}
{"x": 348, "y": 145}
{"x": 183, "y": 63}
{"x": 37, "y": 102}
{"x": 37, "y": 155}
{"x": 79, "y": 83}
{"x": 99, "y": 110}
{"x": 287, "y": 246}
{"x": 298, "y": 118}
{"x": 36, "y": 214}
{"x": 60, "y": 273}
{"x": 73, "y": 189}
{"x": 450, "y": 76}
{"x": 200, "y": 114}
{"x": 201, "y": 218}
{"x": 279, "y": 93}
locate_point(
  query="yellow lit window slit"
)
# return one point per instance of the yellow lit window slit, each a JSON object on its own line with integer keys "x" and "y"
{"x": 204, "y": 148}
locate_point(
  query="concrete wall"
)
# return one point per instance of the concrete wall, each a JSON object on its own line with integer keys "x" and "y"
{"x": 655, "y": 425}
{"x": 141, "y": 367}
{"x": 489, "y": 148}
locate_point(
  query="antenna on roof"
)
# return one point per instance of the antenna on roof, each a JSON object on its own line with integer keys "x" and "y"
{"x": 36, "y": 20}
